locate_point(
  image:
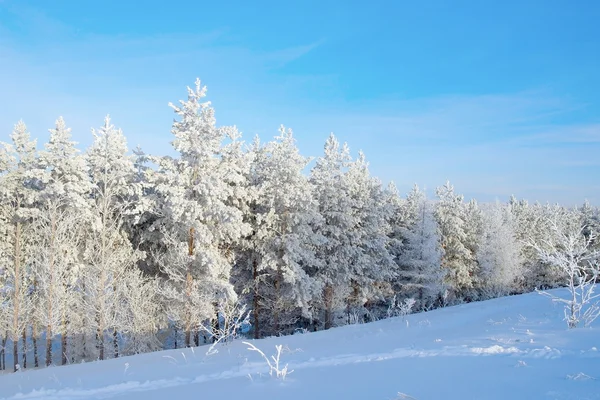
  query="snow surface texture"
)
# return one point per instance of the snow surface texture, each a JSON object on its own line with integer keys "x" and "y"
{"x": 508, "y": 348}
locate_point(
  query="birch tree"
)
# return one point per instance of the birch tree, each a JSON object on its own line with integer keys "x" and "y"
{"x": 58, "y": 234}
{"x": 18, "y": 178}
{"x": 108, "y": 252}
{"x": 579, "y": 263}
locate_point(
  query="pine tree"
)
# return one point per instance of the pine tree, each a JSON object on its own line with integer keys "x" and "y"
{"x": 499, "y": 253}
{"x": 197, "y": 221}
{"x": 337, "y": 252}
{"x": 457, "y": 258}
{"x": 420, "y": 275}
{"x": 357, "y": 266}
{"x": 282, "y": 248}
{"x": 590, "y": 222}
{"x": 374, "y": 269}
{"x": 473, "y": 234}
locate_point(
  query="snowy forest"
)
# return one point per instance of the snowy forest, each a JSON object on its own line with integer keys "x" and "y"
{"x": 106, "y": 252}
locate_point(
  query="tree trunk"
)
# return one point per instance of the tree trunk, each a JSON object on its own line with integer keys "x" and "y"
{"x": 328, "y": 300}
{"x": 50, "y": 309}
{"x": 255, "y": 302}
{"x": 352, "y": 300}
{"x": 277, "y": 300}
{"x": 215, "y": 324}
{"x": 116, "y": 343}
{"x": 24, "y": 348}
{"x": 196, "y": 337}
{"x": 34, "y": 338}
{"x": 188, "y": 334}
{"x": 189, "y": 284}
{"x": 100, "y": 337}
{"x": 3, "y": 353}
{"x": 16, "y": 294}
{"x": 63, "y": 343}
{"x": 16, "y": 354}
{"x": 48, "y": 345}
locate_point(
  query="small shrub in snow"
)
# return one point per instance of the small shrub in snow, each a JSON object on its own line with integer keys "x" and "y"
{"x": 573, "y": 255}
{"x": 354, "y": 318}
{"x": 276, "y": 370}
{"x": 402, "y": 308}
{"x": 233, "y": 317}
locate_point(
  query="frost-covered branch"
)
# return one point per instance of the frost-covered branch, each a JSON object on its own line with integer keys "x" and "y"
{"x": 274, "y": 362}
{"x": 573, "y": 255}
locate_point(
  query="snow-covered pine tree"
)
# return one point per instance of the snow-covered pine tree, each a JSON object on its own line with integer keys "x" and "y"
{"x": 473, "y": 234}
{"x": 524, "y": 223}
{"x": 420, "y": 275}
{"x": 590, "y": 222}
{"x": 374, "y": 269}
{"x": 18, "y": 194}
{"x": 357, "y": 266}
{"x": 457, "y": 258}
{"x": 196, "y": 219}
{"x": 396, "y": 205}
{"x": 339, "y": 249}
{"x": 499, "y": 253}
{"x": 140, "y": 220}
{"x": 282, "y": 248}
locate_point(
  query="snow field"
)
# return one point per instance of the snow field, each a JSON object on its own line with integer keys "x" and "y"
{"x": 508, "y": 348}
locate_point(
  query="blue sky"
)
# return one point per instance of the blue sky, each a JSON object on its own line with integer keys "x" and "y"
{"x": 500, "y": 98}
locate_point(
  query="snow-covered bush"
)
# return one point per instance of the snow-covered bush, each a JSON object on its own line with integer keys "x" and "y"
{"x": 579, "y": 263}
{"x": 400, "y": 308}
{"x": 276, "y": 369}
{"x": 233, "y": 317}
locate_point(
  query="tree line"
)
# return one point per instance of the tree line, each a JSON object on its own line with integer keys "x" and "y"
{"x": 109, "y": 252}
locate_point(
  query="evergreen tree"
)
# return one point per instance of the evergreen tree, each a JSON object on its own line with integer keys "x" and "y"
{"x": 339, "y": 249}
{"x": 457, "y": 258}
{"x": 420, "y": 275}
{"x": 357, "y": 267}
{"x": 374, "y": 268}
{"x": 499, "y": 254}
{"x": 283, "y": 246}
{"x": 196, "y": 220}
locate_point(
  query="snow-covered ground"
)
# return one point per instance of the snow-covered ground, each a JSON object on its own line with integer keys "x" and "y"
{"x": 509, "y": 348}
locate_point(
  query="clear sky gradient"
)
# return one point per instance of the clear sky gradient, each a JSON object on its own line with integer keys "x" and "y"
{"x": 498, "y": 97}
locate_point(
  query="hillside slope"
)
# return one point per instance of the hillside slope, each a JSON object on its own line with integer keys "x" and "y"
{"x": 509, "y": 348}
